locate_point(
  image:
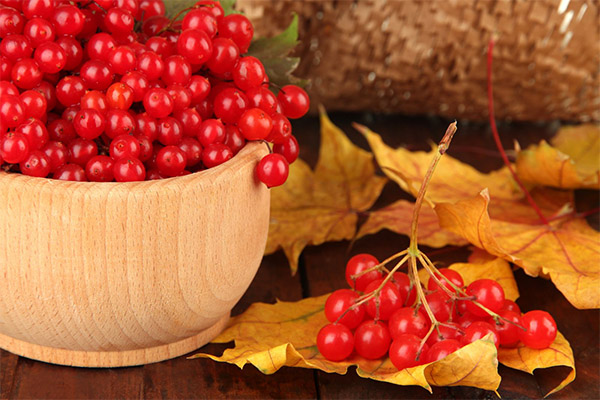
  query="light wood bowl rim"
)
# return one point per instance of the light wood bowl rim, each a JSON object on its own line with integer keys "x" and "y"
{"x": 246, "y": 155}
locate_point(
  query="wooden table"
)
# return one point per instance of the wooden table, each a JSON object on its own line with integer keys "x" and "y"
{"x": 321, "y": 271}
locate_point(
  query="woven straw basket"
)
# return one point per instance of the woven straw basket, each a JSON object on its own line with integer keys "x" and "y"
{"x": 429, "y": 56}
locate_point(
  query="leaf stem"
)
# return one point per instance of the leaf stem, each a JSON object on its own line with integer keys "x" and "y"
{"x": 490, "y": 90}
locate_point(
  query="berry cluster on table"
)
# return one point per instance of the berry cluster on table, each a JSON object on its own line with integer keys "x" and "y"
{"x": 381, "y": 317}
{"x": 113, "y": 90}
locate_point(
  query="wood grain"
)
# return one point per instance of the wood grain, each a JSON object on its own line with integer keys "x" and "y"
{"x": 115, "y": 274}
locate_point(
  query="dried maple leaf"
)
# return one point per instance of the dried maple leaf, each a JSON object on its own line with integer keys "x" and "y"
{"x": 322, "y": 205}
{"x": 525, "y": 359}
{"x": 453, "y": 180}
{"x": 566, "y": 249}
{"x": 571, "y": 162}
{"x": 284, "y": 334}
{"x": 496, "y": 269}
{"x": 397, "y": 217}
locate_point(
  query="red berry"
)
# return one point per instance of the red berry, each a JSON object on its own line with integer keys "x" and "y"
{"x": 129, "y": 170}
{"x": 35, "y": 104}
{"x": 12, "y": 111}
{"x": 216, "y": 154}
{"x": 510, "y": 305}
{"x": 449, "y": 330}
{"x": 124, "y": 146}
{"x": 442, "y": 349}
{"x": 35, "y": 132}
{"x": 441, "y": 306}
{"x": 508, "y": 334}
{"x": 248, "y": 73}
{"x": 338, "y": 303}
{"x": 96, "y": 100}
{"x": 36, "y": 164}
{"x": 540, "y": 329}
{"x": 14, "y": 147}
{"x": 488, "y": 293}
{"x": 190, "y": 121}
{"x": 26, "y": 74}
{"x": 372, "y": 339}
{"x": 200, "y": 19}
{"x": 96, "y": 74}
{"x": 178, "y": 71}
{"x": 335, "y": 342}
{"x": 57, "y": 153}
{"x": 119, "y": 122}
{"x": 70, "y": 172}
{"x": 195, "y": 45}
{"x": 289, "y": 149}
{"x": 408, "y": 320}
{"x": 237, "y": 28}
{"x": 356, "y": 265}
{"x": 192, "y": 150}
{"x": 119, "y": 21}
{"x": 38, "y": 31}
{"x": 70, "y": 90}
{"x": 171, "y": 161}
{"x": 386, "y": 302}
{"x": 170, "y": 131}
{"x": 230, "y": 104}
{"x": 451, "y": 275}
{"x": 50, "y": 57}
{"x": 122, "y": 60}
{"x": 158, "y": 103}
{"x": 404, "y": 351}
{"x": 68, "y": 20}
{"x": 11, "y": 22}
{"x": 224, "y": 56}
{"x": 37, "y": 8}
{"x": 272, "y": 170}
{"x": 100, "y": 169}
{"x": 89, "y": 123}
{"x": 255, "y": 124}
{"x": 119, "y": 95}
{"x": 402, "y": 282}
{"x": 81, "y": 151}
{"x": 478, "y": 330}
{"x": 211, "y": 131}
{"x": 294, "y": 101}
{"x": 234, "y": 139}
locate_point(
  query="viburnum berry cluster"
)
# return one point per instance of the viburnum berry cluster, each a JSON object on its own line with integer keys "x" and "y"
{"x": 113, "y": 90}
{"x": 392, "y": 313}
{"x": 383, "y": 311}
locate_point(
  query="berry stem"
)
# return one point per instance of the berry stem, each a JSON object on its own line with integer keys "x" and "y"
{"x": 379, "y": 266}
{"x": 442, "y": 148}
{"x": 497, "y": 135}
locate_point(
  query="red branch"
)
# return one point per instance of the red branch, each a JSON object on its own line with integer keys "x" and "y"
{"x": 497, "y": 136}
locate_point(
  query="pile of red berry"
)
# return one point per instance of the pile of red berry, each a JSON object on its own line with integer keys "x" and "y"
{"x": 106, "y": 90}
{"x": 390, "y": 322}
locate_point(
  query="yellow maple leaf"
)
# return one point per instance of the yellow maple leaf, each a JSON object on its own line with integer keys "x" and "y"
{"x": 571, "y": 162}
{"x": 496, "y": 269}
{"x": 270, "y": 336}
{"x": 566, "y": 249}
{"x": 453, "y": 180}
{"x": 322, "y": 205}
{"x": 528, "y": 360}
{"x": 397, "y": 217}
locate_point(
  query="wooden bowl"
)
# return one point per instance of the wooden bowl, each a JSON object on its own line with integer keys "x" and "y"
{"x": 121, "y": 274}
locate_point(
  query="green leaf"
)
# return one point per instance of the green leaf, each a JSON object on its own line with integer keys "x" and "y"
{"x": 174, "y": 6}
{"x": 273, "y": 52}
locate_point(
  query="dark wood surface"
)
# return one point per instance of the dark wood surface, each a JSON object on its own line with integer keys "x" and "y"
{"x": 321, "y": 271}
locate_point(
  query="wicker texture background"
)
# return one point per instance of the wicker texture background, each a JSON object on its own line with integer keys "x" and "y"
{"x": 429, "y": 56}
